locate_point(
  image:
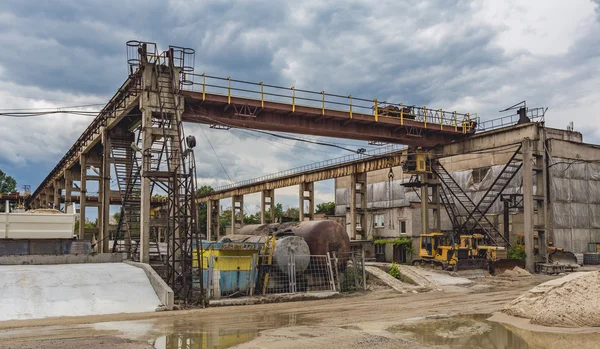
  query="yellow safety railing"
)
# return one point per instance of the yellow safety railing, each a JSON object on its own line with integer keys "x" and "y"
{"x": 408, "y": 115}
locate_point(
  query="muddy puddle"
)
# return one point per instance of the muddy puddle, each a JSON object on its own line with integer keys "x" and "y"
{"x": 474, "y": 331}
{"x": 196, "y": 333}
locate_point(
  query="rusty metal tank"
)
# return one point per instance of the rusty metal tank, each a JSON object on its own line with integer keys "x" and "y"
{"x": 322, "y": 236}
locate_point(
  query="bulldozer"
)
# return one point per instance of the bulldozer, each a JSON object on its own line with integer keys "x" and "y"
{"x": 555, "y": 254}
{"x": 439, "y": 252}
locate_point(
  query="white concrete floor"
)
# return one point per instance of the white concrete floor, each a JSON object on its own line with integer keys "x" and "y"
{"x": 40, "y": 291}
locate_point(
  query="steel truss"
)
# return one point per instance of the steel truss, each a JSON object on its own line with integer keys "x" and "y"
{"x": 475, "y": 220}
{"x": 162, "y": 157}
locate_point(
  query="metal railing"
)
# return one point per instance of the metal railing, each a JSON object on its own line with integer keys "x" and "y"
{"x": 392, "y": 148}
{"x": 321, "y": 101}
{"x": 534, "y": 115}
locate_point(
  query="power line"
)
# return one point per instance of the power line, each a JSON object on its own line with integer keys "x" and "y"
{"x": 37, "y": 98}
{"x": 216, "y": 155}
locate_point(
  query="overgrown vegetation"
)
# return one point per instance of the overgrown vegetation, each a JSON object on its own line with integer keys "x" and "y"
{"x": 401, "y": 241}
{"x": 328, "y": 208}
{"x": 395, "y": 271}
{"x": 517, "y": 251}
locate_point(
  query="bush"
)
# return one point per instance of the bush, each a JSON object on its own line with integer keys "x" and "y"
{"x": 395, "y": 271}
{"x": 517, "y": 252}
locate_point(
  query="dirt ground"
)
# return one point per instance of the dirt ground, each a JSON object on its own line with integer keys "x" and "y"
{"x": 359, "y": 320}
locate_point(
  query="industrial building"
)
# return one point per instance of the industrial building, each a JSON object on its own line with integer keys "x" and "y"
{"x": 571, "y": 220}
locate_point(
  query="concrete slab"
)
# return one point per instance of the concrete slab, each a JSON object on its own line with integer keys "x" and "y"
{"x": 391, "y": 281}
{"x": 40, "y": 291}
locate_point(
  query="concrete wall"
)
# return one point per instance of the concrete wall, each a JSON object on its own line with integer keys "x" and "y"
{"x": 574, "y": 208}
{"x": 163, "y": 291}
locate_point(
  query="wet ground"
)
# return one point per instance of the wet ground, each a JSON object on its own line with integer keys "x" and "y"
{"x": 379, "y": 319}
{"x": 463, "y": 331}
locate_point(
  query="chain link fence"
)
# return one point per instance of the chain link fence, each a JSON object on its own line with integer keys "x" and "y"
{"x": 349, "y": 271}
{"x": 254, "y": 275}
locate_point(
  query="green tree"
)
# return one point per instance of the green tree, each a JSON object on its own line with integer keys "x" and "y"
{"x": 252, "y": 218}
{"x": 327, "y": 208}
{"x": 7, "y": 183}
{"x": 117, "y": 216}
{"x": 88, "y": 225}
{"x": 203, "y": 209}
{"x": 224, "y": 220}
{"x": 278, "y": 213}
{"x": 293, "y": 213}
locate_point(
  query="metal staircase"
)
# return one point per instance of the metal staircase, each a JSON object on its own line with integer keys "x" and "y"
{"x": 453, "y": 196}
{"x": 127, "y": 171}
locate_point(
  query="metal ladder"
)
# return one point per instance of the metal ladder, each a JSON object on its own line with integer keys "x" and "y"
{"x": 267, "y": 261}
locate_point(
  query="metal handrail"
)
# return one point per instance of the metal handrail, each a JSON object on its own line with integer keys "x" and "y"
{"x": 534, "y": 114}
{"x": 393, "y": 148}
{"x": 326, "y": 101}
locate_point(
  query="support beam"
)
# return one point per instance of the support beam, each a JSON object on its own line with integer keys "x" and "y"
{"x": 237, "y": 213}
{"x": 104, "y": 195}
{"x": 528, "y": 204}
{"x": 434, "y": 203}
{"x": 146, "y": 188}
{"x": 267, "y": 203}
{"x": 56, "y": 196}
{"x": 424, "y": 204}
{"x": 307, "y": 195}
{"x": 83, "y": 192}
{"x": 358, "y": 196}
{"x": 68, "y": 178}
{"x": 213, "y": 226}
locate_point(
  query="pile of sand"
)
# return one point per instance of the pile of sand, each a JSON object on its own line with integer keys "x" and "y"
{"x": 571, "y": 301}
{"x": 515, "y": 272}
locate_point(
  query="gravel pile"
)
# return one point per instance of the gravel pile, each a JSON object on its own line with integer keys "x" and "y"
{"x": 571, "y": 301}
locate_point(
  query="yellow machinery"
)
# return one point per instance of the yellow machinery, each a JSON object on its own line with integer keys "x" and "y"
{"x": 479, "y": 249}
{"x": 436, "y": 251}
{"x": 417, "y": 162}
{"x": 555, "y": 254}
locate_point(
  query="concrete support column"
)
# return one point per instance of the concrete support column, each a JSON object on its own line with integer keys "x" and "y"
{"x": 83, "y": 193}
{"x": 56, "y": 196}
{"x": 435, "y": 205}
{"x": 146, "y": 194}
{"x": 68, "y": 186}
{"x": 237, "y": 213}
{"x": 307, "y": 194}
{"x": 541, "y": 202}
{"x": 44, "y": 198}
{"x": 213, "y": 226}
{"x": 50, "y": 196}
{"x": 267, "y": 203}
{"x": 528, "y": 203}
{"x": 424, "y": 204}
{"x": 104, "y": 195}
{"x": 358, "y": 195}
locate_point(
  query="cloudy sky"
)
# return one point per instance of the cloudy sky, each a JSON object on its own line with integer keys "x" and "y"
{"x": 470, "y": 56}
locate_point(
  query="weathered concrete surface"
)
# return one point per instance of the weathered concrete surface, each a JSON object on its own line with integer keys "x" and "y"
{"x": 62, "y": 259}
{"x": 41, "y": 291}
{"x": 163, "y": 291}
{"x": 392, "y": 282}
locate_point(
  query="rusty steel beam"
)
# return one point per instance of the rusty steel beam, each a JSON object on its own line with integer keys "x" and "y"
{"x": 119, "y": 105}
{"x": 336, "y": 171}
{"x": 283, "y": 117}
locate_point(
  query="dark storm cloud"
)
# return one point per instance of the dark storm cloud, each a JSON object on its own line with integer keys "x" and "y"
{"x": 435, "y": 53}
